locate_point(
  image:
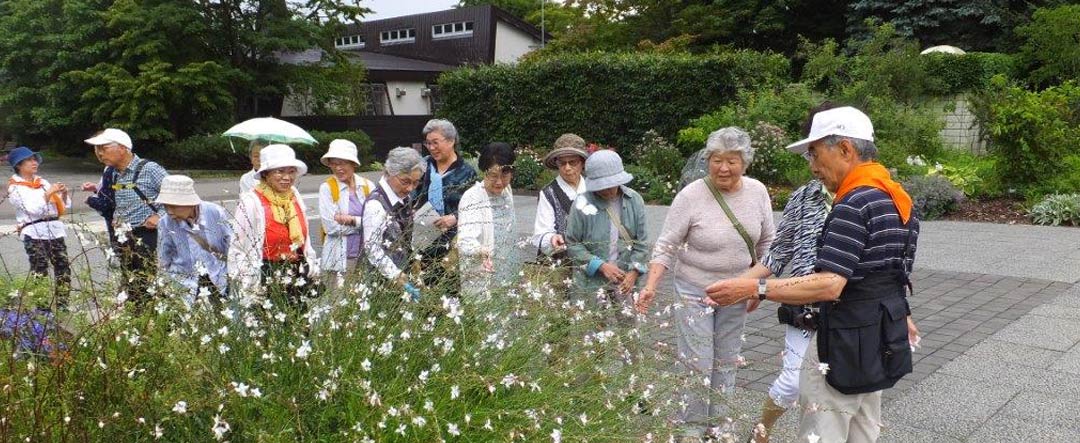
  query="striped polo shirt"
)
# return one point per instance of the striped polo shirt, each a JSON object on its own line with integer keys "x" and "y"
{"x": 865, "y": 235}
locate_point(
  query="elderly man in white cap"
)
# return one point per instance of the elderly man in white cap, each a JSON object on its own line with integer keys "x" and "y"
{"x": 606, "y": 237}
{"x": 133, "y": 184}
{"x": 864, "y": 329}
{"x": 193, "y": 240}
{"x": 341, "y": 208}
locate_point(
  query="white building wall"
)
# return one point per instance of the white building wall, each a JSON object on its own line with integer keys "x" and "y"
{"x": 512, "y": 43}
{"x": 411, "y": 103}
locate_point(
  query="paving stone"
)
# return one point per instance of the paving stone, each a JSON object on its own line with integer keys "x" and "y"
{"x": 968, "y": 404}
{"x": 1016, "y": 375}
{"x": 1014, "y": 429}
{"x": 1058, "y": 411}
{"x": 997, "y": 350}
{"x": 1043, "y": 332}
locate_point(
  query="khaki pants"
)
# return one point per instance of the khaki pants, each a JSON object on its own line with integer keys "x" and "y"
{"x": 830, "y": 414}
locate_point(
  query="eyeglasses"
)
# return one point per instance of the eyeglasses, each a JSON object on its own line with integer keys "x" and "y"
{"x": 407, "y": 182}
{"x": 573, "y": 162}
{"x": 103, "y": 148}
{"x": 499, "y": 172}
{"x": 435, "y": 142}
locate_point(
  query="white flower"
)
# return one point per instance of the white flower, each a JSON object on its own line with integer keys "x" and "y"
{"x": 812, "y": 438}
{"x": 452, "y": 429}
{"x": 823, "y": 368}
{"x": 455, "y": 392}
{"x": 366, "y": 365}
{"x": 180, "y": 407}
{"x": 556, "y": 436}
{"x": 121, "y": 297}
{"x": 220, "y": 428}
{"x": 304, "y": 349}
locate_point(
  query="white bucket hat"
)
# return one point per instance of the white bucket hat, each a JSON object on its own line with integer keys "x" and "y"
{"x": 845, "y": 122}
{"x": 279, "y": 156}
{"x": 110, "y": 135}
{"x": 178, "y": 190}
{"x": 603, "y": 170}
{"x": 343, "y": 150}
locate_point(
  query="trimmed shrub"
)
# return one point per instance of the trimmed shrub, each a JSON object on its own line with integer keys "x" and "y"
{"x": 217, "y": 152}
{"x": 654, "y": 189}
{"x": 527, "y": 171}
{"x": 1031, "y": 133}
{"x": 611, "y": 98}
{"x": 949, "y": 74}
{"x": 1057, "y": 209}
{"x": 933, "y": 195}
{"x": 657, "y": 155}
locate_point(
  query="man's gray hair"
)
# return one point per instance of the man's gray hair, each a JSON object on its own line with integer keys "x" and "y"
{"x": 729, "y": 139}
{"x": 403, "y": 161}
{"x": 867, "y": 149}
{"x": 443, "y": 127}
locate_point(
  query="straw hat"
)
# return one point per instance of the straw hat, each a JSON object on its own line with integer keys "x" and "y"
{"x": 566, "y": 144}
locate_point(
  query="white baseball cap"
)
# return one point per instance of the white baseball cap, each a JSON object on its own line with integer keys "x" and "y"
{"x": 845, "y": 122}
{"x": 110, "y": 135}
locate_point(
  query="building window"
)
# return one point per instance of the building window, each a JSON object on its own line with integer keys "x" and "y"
{"x": 452, "y": 30}
{"x": 349, "y": 42}
{"x": 376, "y": 99}
{"x": 397, "y": 36}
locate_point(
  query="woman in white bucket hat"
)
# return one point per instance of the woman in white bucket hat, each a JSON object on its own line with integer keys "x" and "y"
{"x": 193, "y": 240}
{"x": 271, "y": 243}
{"x": 341, "y": 208}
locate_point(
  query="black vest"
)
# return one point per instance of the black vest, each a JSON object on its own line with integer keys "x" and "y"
{"x": 561, "y": 204}
{"x": 398, "y": 232}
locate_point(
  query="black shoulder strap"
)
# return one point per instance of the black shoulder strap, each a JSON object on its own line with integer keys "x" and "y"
{"x": 135, "y": 184}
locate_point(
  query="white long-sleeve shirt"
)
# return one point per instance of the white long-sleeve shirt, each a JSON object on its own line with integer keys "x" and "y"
{"x": 246, "y": 249}
{"x": 30, "y": 204}
{"x": 375, "y": 223}
{"x": 544, "y": 226}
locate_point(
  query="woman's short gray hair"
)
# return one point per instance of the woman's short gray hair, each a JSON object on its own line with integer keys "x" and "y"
{"x": 403, "y": 161}
{"x": 729, "y": 139}
{"x": 443, "y": 127}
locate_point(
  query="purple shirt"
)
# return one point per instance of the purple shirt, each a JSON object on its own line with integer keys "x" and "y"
{"x": 352, "y": 241}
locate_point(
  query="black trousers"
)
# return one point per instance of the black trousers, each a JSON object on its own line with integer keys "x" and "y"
{"x": 138, "y": 263}
{"x": 43, "y": 253}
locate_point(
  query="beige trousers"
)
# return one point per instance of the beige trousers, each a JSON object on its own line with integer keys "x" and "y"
{"x": 832, "y": 416}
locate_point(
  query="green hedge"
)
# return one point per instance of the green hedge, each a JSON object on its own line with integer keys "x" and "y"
{"x": 215, "y": 152}
{"x": 949, "y": 74}
{"x": 610, "y": 98}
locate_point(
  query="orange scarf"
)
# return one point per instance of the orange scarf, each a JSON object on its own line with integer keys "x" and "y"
{"x": 874, "y": 175}
{"x": 37, "y": 184}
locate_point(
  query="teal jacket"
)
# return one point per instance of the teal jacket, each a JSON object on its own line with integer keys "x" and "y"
{"x": 588, "y": 239}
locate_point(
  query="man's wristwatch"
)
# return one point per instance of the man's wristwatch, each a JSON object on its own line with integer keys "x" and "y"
{"x": 761, "y": 288}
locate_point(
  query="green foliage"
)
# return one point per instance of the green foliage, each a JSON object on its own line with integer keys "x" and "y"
{"x": 162, "y": 70}
{"x": 527, "y": 171}
{"x": 654, "y": 188}
{"x": 657, "y": 155}
{"x": 1051, "y": 50}
{"x": 1057, "y": 209}
{"x": 972, "y": 174}
{"x": 773, "y": 118}
{"x": 971, "y": 25}
{"x": 217, "y": 152}
{"x": 1031, "y": 133}
{"x": 949, "y": 74}
{"x": 609, "y": 98}
{"x": 933, "y": 195}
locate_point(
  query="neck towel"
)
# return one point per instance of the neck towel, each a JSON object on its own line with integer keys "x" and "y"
{"x": 874, "y": 175}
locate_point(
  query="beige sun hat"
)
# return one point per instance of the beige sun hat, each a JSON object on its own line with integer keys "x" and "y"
{"x": 566, "y": 144}
{"x": 341, "y": 149}
{"x": 178, "y": 190}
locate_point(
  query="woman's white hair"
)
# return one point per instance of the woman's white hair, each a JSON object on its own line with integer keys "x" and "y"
{"x": 403, "y": 161}
{"x": 443, "y": 127}
{"x": 729, "y": 139}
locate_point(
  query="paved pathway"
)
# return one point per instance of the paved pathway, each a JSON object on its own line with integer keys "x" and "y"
{"x": 999, "y": 307}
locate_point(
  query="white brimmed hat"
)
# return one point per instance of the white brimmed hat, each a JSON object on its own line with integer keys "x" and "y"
{"x": 178, "y": 190}
{"x": 603, "y": 170}
{"x": 845, "y": 122}
{"x": 110, "y": 135}
{"x": 343, "y": 150}
{"x": 280, "y": 156}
